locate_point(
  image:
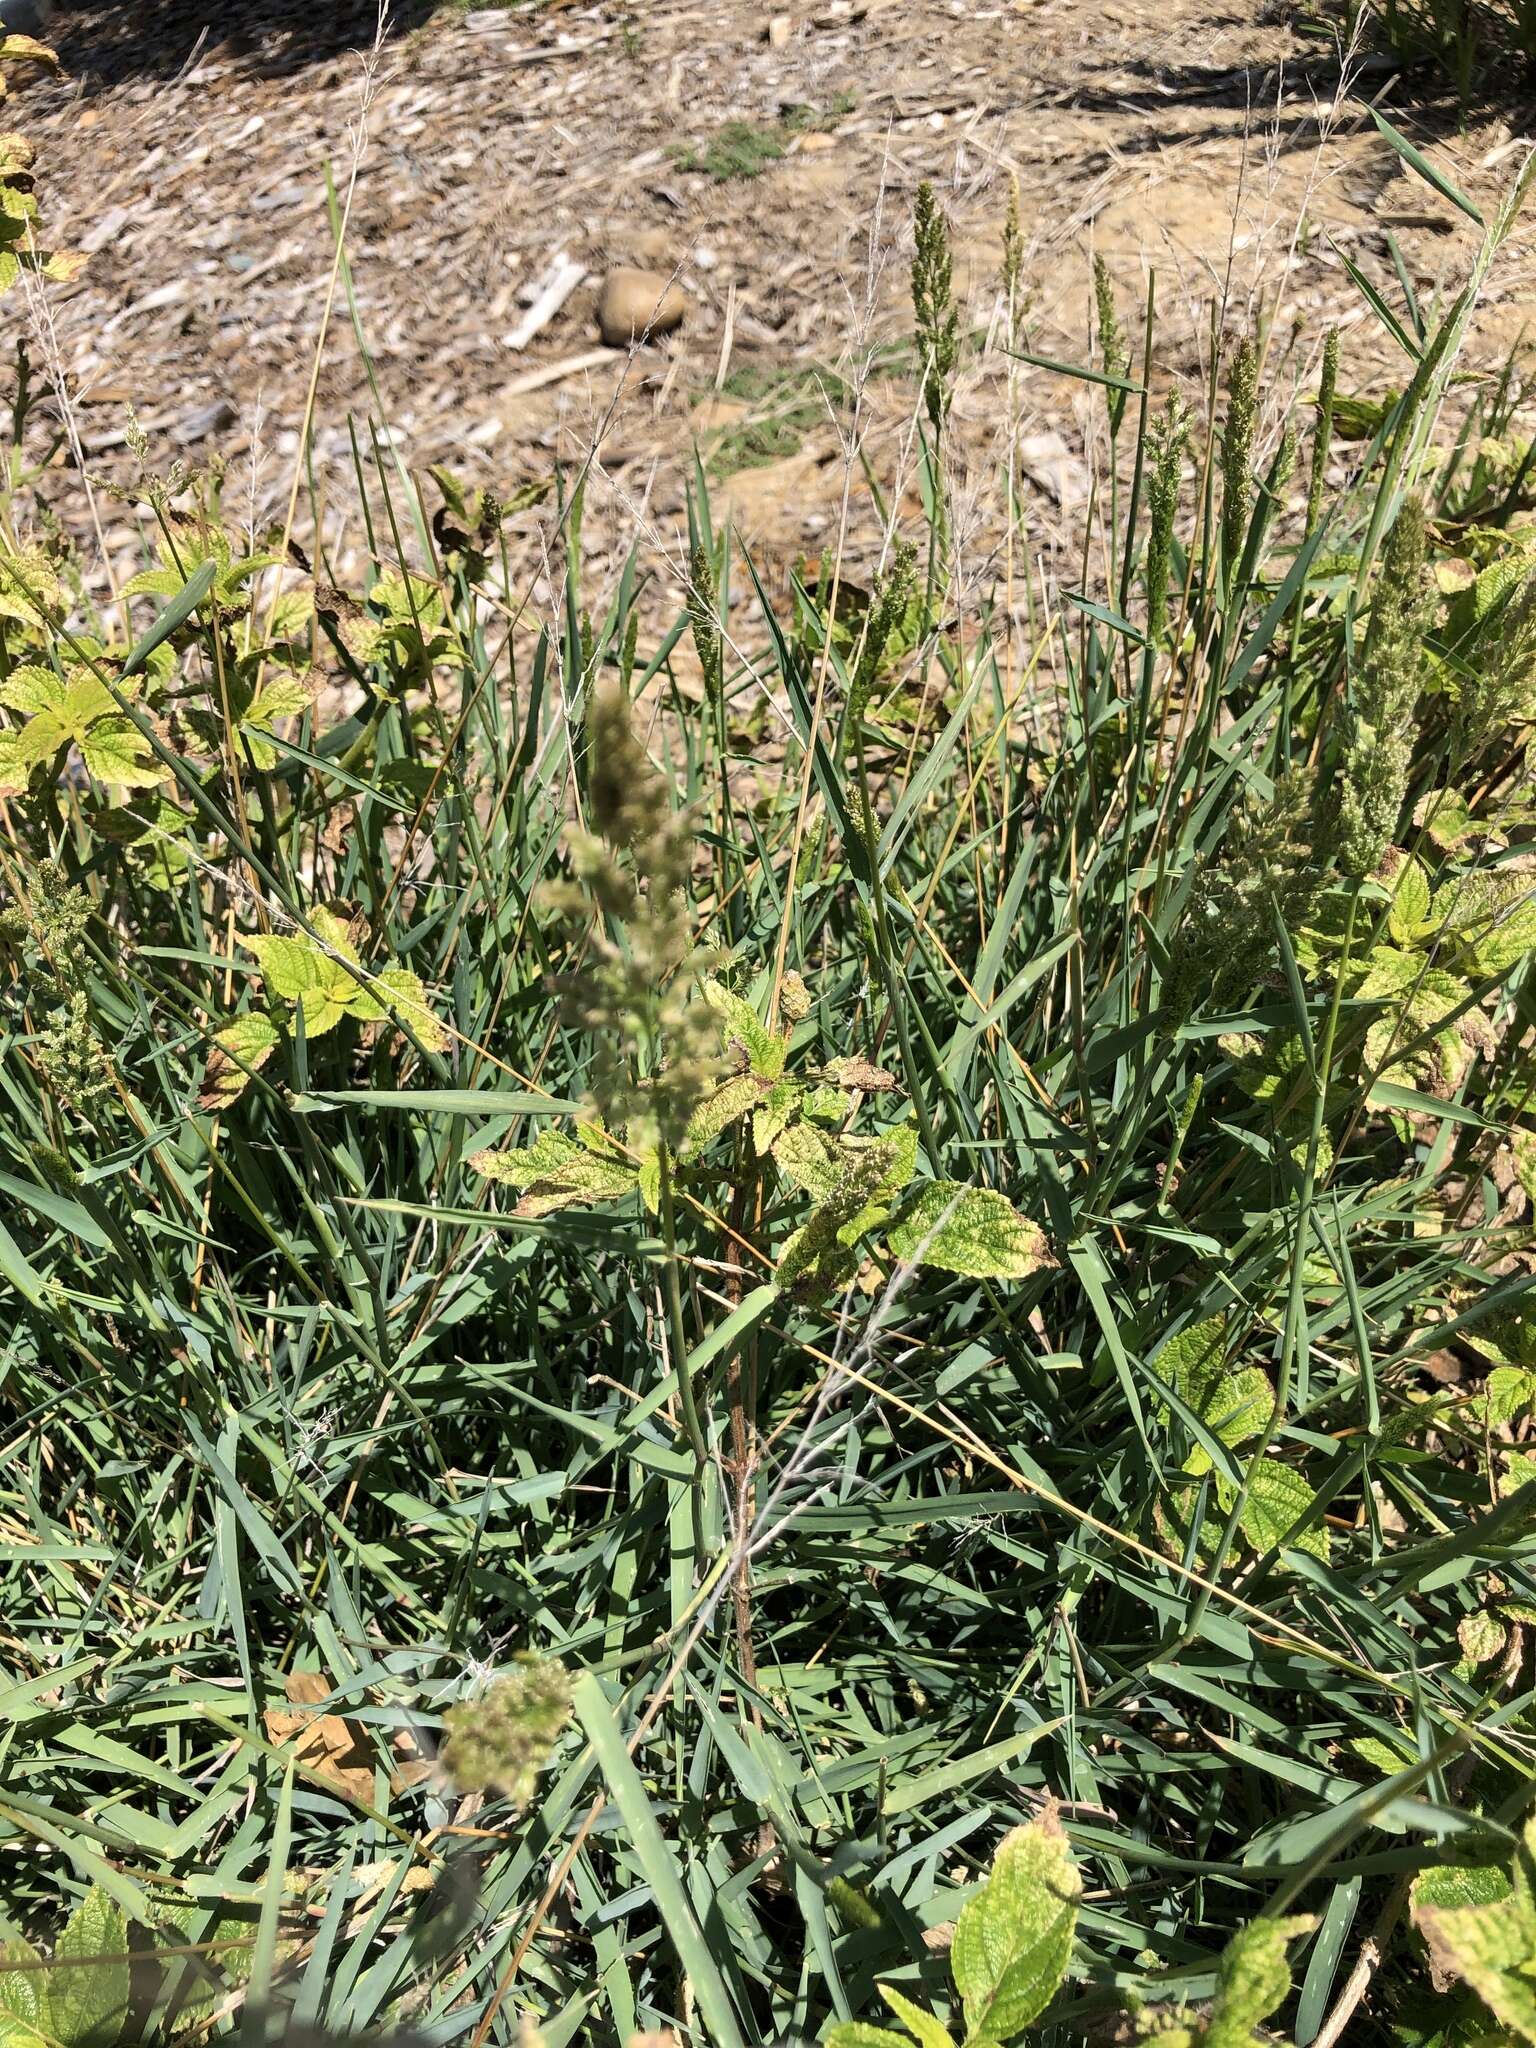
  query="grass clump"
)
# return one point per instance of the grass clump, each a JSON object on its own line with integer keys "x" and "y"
{"x": 635, "y": 1376}
{"x": 785, "y": 403}
{"x": 740, "y": 149}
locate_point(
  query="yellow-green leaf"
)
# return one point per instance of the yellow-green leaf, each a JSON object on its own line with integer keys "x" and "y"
{"x": 1013, "y": 1940}
{"x": 240, "y": 1048}
{"x": 974, "y": 1231}
{"x": 87, "y": 2001}
{"x": 22, "y": 1996}
{"x": 1254, "y": 1978}
{"x": 1489, "y": 1944}
{"x": 557, "y": 1172}
{"x": 1277, "y": 1499}
{"x": 922, "y": 2026}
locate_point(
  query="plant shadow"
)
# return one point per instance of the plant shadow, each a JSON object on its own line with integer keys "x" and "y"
{"x": 104, "y": 46}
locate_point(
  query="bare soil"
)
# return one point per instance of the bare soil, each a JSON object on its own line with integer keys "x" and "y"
{"x": 1210, "y": 146}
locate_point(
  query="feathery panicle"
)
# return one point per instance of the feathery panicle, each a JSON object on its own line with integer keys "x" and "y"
{"x": 1500, "y": 686}
{"x": 638, "y": 992}
{"x": 888, "y": 606}
{"x": 48, "y": 930}
{"x": 1378, "y": 750}
{"x": 933, "y": 307}
{"x": 501, "y": 1740}
{"x": 704, "y": 616}
{"x": 1237, "y": 454}
{"x": 1114, "y": 357}
{"x": 1168, "y": 437}
{"x": 1226, "y": 939}
{"x": 1013, "y": 259}
{"x": 1322, "y": 430}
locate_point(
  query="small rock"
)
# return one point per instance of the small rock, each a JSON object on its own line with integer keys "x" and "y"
{"x": 779, "y": 30}
{"x": 638, "y": 305}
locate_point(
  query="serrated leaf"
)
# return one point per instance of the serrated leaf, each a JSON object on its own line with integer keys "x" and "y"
{"x": 1507, "y": 1390}
{"x": 1408, "y": 917}
{"x": 1013, "y": 1940}
{"x": 731, "y": 1101}
{"x": 869, "y": 1173}
{"x": 1234, "y": 1403}
{"x": 1509, "y": 941}
{"x": 240, "y": 1049}
{"x": 1481, "y": 1636}
{"x": 1491, "y": 1945}
{"x": 961, "y": 1229}
{"x": 805, "y": 1156}
{"x": 1277, "y": 1499}
{"x": 763, "y": 1050}
{"x": 774, "y": 1113}
{"x": 1454, "y": 1885}
{"x": 922, "y": 2026}
{"x": 1253, "y": 1978}
{"x": 401, "y": 993}
{"x": 290, "y": 967}
{"x": 116, "y": 751}
{"x": 1382, "y": 1756}
{"x": 860, "y": 2034}
{"x": 556, "y": 1172}
{"x": 87, "y": 2003}
{"x": 22, "y": 1996}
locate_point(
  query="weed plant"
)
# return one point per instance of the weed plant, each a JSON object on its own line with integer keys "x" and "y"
{"x": 671, "y": 1286}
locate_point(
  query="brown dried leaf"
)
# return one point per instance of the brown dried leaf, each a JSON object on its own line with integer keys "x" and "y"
{"x": 334, "y": 1748}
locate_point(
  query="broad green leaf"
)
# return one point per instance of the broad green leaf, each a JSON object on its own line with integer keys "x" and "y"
{"x": 806, "y": 1157}
{"x": 29, "y": 587}
{"x": 773, "y": 1114}
{"x": 1508, "y": 942}
{"x": 922, "y": 2026}
{"x": 401, "y": 994}
{"x": 87, "y": 2003}
{"x": 869, "y": 1172}
{"x": 860, "y": 2034}
{"x": 317, "y": 975}
{"x": 23, "y": 2017}
{"x": 1408, "y": 918}
{"x": 240, "y": 1049}
{"x": 290, "y": 968}
{"x": 1490, "y": 1944}
{"x": 731, "y": 1101}
{"x": 1233, "y": 1403}
{"x": 1254, "y": 1978}
{"x": 1446, "y": 819}
{"x": 1278, "y": 1497}
{"x": 74, "y": 710}
{"x": 741, "y": 1027}
{"x": 116, "y": 751}
{"x": 1507, "y": 1390}
{"x": 1454, "y": 1885}
{"x": 556, "y": 1172}
{"x": 967, "y": 1230}
{"x": 1013, "y": 1940}
{"x": 1481, "y": 1636}
{"x": 1382, "y": 1756}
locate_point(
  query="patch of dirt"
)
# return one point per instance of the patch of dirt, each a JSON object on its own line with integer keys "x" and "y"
{"x": 486, "y": 149}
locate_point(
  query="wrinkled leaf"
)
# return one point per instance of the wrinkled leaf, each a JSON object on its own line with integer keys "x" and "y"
{"x": 967, "y": 1230}
{"x": 1013, "y": 1940}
